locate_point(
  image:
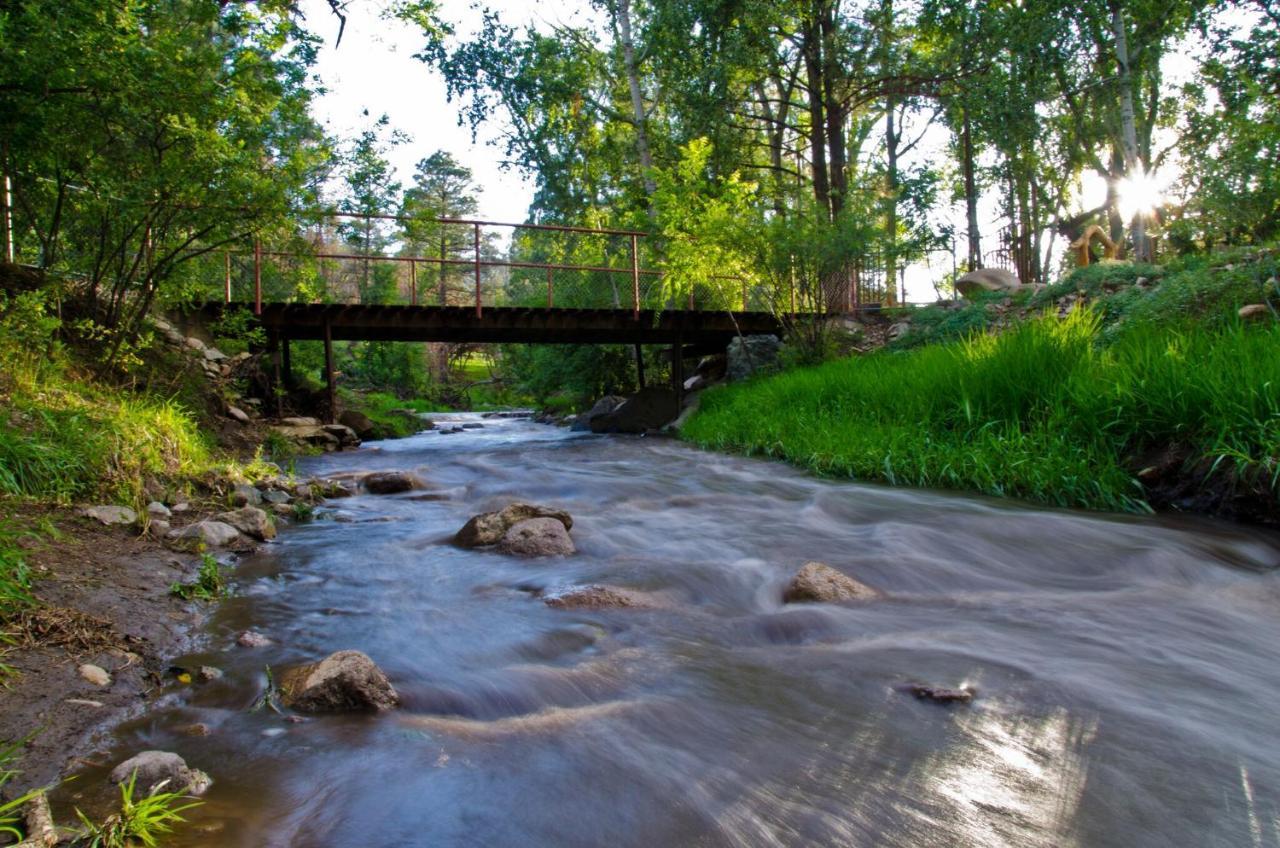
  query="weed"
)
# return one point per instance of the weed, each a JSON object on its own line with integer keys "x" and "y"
{"x": 139, "y": 821}
{"x": 210, "y": 583}
{"x": 11, "y": 810}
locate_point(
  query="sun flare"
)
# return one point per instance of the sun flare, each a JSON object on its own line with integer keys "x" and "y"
{"x": 1142, "y": 193}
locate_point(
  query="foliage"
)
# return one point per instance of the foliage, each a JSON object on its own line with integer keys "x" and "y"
{"x": 581, "y": 372}
{"x": 139, "y": 821}
{"x": 11, "y": 809}
{"x": 1040, "y": 412}
{"x": 210, "y": 583}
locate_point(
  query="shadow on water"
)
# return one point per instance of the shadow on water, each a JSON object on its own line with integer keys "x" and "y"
{"x": 1127, "y": 670}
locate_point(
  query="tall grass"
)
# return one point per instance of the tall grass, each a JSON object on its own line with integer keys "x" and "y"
{"x": 64, "y": 439}
{"x": 1042, "y": 412}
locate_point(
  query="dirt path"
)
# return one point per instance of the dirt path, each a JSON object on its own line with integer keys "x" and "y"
{"x": 105, "y": 600}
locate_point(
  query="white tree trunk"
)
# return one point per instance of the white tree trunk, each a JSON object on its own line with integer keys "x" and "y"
{"x": 621, "y": 10}
{"x": 1128, "y": 125}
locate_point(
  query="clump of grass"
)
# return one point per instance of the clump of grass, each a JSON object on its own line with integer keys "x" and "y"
{"x": 11, "y": 810}
{"x": 210, "y": 583}
{"x": 1042, "y": 412}
{"x": 140, "y": 821}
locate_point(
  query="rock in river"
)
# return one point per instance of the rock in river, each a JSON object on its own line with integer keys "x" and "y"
{"x": 598, "y": 597}
{"x": 390, "y": 482}
{"x": 820, "y": 582}
{"x": 347, "y": 681}
{"x": 489, "y": 528}
{"x": 154, "y": 767}
{"x": 536, "y": 537}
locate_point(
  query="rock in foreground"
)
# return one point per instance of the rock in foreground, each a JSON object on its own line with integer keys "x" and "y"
{"x": 250, "y": 521}
{"x": 155, "y": 767}
{"x": 819, "y": 582}
{"x": 347, "y": 681}
{"x": 489, "y": 528}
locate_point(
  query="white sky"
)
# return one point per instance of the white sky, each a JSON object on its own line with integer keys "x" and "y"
{"x": 373, "y": 69}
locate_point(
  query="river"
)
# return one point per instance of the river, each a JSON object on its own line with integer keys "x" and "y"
{"x": 1127, "y": 670}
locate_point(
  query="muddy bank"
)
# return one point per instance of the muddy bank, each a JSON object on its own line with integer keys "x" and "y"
{"x": 104, "y": 601}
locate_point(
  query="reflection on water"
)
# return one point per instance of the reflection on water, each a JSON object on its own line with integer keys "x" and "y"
{"x": 1127, "y": 670}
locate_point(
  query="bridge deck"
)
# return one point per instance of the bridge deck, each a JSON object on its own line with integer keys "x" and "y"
{"x": 365, "y": 322}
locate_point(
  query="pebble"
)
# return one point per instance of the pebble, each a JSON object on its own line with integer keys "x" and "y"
{"x": 95, "y": 674}
{"x": 252, "y": 639}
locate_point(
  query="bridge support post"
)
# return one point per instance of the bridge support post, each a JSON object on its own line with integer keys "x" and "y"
{"x": 329, "y": 380}
{"x": 287, "y": 364}
{"x": 639, "y": 365}
{"x": 277, "y": 387}
{"x": 677, "y": 368}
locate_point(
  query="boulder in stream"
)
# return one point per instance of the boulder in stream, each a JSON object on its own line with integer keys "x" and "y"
{"x": 488, "y": 528}
{"x": 941, "y": 695}
{"x": 347, "y": 681}
{"x": 537, "y": 537}
{"x": 151, "y": 768}
{"x": 821, "y": 583}
{"x": 390, "y": 482}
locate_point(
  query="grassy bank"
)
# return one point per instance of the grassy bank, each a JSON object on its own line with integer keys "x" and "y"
{"x": 1044, "y": 411}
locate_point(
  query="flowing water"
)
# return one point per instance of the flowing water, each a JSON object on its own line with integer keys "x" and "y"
{"x": 1127, "y": 670}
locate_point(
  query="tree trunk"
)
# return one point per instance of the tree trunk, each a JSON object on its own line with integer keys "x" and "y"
{"x": 970, "y": 193}
{"x": 622, "y": 17}
{"x": 817, "y": 118}
{"x": 1128, "y": 124}
{"x": 891, "y": 139}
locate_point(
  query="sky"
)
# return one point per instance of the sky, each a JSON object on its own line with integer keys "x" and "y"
{"x": 373, "y": 71}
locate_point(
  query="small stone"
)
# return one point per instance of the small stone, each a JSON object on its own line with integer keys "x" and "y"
{"x": 153, "y": 767}
{"x": 213, "y": 534}
{"x": 252, "y": 639}
{"x": 940, "y": 695}
{"x": 95, "y": 674}
{"x": 238, "y": 414}
{"x": 110, "y": 515}
{"x": 390, "y": 482}
{"x": 207, "y": 673}
{"x": 275, "y": 496}
{"x": 197, "y": 729}
{"x": 214, "y": 355}
{"x": 245, "y": 495}
{"x": 155, "y": 509}
{"x": 1254, "y": 312}
{"x": 158, "y": 528}
{"x": 597, "y": 597}
{"x": 181, "y": 506}
{"x": 85, "y": 702}
{"x": 195, "y": 344}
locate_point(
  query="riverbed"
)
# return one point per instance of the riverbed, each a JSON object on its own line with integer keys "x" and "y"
{"x": 1127, "y": 670}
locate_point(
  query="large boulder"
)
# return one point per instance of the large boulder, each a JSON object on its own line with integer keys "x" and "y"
{"x": 308, "y": 434}
{"x": 987, "y": 280}
{"x": 362, "y": 424}
{"x": 250, "y": 521}
{"x": 150, "y": 768}
{"x": 648, "y": 409}
{"x": 347, "y": 681}
{"x": 488, "y": 528}
{"x": 748, "y": 355}
{"x": 212, "y": 534}
{"x": 602, "y": 407}
{"x": 537, "y": 537}
{"x": 819, "y": 582}
{"x": 390, "y": 482}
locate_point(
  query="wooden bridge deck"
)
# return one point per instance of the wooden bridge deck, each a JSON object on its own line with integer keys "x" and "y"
{"x": 497, "y": 324}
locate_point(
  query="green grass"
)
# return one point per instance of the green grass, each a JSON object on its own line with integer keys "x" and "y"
{"x": 1043, "y": 412}
{"x": 210, "y": 583}
{"x": 11, "y": 811}
{"x": 140, "y": 821}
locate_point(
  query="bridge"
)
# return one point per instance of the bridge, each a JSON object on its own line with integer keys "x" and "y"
{"x": 473, "y": 294}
